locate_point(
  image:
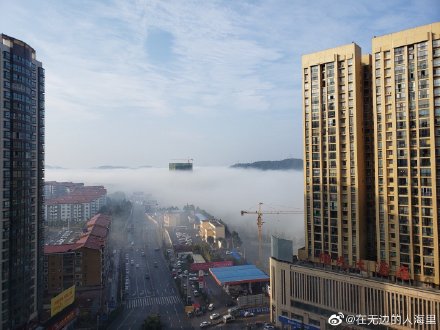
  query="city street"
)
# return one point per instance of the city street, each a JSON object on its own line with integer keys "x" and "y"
{"x": 151, "y": 288}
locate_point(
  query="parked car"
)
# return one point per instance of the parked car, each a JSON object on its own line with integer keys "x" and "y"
{"x": 248, "y": 314}
{"x": 211, "y": 307}
{"x": 205, "y": 324}
{"x": 214, "y": 316}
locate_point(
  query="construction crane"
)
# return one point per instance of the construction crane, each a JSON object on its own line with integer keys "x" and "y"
{"x": 260, "y": 222}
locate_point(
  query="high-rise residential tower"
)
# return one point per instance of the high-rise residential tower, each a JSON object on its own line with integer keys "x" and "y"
{"x": 22, "y": 186}
{"x": 372, "y": 190}
{"x": 334, "y": 167}
{"x": 406, "y": 99}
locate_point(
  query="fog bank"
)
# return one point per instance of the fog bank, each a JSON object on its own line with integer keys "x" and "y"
{"x": 221, "y": 191}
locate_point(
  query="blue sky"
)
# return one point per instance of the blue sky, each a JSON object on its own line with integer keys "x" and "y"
{"x": 143, "y": 82}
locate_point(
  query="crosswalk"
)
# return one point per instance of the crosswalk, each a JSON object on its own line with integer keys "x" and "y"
{"x": 150, "y": 301}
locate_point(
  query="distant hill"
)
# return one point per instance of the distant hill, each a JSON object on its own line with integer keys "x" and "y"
{"x": 50, "y": 167}
{"x": 285, "y": 164}
{"x": 111, "y": 167}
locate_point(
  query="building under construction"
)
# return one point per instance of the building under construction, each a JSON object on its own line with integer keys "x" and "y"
{"x": 180, "y": 165}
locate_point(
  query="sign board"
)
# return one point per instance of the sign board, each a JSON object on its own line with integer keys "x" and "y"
{"x": 255, "y": 310}
{"x": 66, "y": 320}
{"x": 207, "y": 265}
{"x": 64, "y": 299}
{"x": 296, "y": 324}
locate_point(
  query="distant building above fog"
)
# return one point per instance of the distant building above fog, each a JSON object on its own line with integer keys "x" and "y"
{"x": 181, "y": 165}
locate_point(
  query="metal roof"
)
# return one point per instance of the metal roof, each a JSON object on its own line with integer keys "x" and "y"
{"x": 238, "y": 275}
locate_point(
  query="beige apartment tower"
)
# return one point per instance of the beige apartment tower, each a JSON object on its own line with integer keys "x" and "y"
{"x": 406, "y": 102}
{"x": 334, "y": 166}
{"x": 372, "y": 189}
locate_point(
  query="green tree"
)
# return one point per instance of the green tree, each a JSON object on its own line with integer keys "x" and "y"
{"x": 236, "y": 238}
{"x": 210, "y": 240}
{"x": 153, "y": 322}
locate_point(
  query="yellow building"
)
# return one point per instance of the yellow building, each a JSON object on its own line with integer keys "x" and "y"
{"x": 172, "y": 219}
{"x": 305, "y": 294}
{"x": 406, "y": 99}
{"x": 372, "y": 159}
{"x": 334, "y": 166}
{"x": 212, "y": 228}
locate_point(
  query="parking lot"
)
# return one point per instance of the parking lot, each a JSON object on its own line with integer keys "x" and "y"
{"x": 210, "y": 303}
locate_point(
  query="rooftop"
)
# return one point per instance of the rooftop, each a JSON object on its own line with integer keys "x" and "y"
{"x": 238, "y": 275}
{"x": 79, "y": 195}
{"x": 94, "y": 238}
{"x": 198, "y": 259}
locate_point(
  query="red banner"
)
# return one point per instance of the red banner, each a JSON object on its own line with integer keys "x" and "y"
{"x": 325, "y": 258}
{"x": 207, "y": 265}
{"x": 361, "y": 265}
{"x": 403, "y": 273}
{"x": 383, "y": 268}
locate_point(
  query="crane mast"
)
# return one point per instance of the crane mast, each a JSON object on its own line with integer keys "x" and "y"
{"x": 260, "y": 222}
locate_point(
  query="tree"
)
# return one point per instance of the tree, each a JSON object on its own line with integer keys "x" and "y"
{"x": 210, "y": 240}
{"x": 236, "y": 238}
{"x": 153, "y": 322}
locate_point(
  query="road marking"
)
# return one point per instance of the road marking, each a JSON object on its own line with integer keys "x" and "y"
{"x": 150, "y": 301}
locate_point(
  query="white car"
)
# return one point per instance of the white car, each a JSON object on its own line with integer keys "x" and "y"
{"x": 205, "y": 324}
{"x": 214, "y": 316}
{"x": 211, "y": 307}
{"x": 248, "y": 314}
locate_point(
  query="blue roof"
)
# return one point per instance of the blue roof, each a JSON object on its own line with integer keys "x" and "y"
{"x": 201, "y": 217}
{"x": 238, "y": 274}
{"x": 235, "y": 255}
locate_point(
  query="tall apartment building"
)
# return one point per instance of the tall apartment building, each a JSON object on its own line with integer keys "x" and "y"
{"x": 406, "y": 99}
{"x": 334, "y": 167}
{"x": 22, "y": 171}
{"x": 391, "y": 265}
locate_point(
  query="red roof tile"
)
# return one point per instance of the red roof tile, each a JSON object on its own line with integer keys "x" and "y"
{"x": 48, "y": 249}
{"x": 94, "y": 238}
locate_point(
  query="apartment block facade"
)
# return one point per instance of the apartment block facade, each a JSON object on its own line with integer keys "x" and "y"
{"x": 83, "y": 263}
{"x": 334, "y": 166}
{"x": 22, "y": 171}
{"x": 406, "y": 101}
{"x": 80, "y": 204}
{"x": 372, "y": 179}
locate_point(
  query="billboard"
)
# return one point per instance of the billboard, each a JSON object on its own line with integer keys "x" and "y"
{"x": 207, "y": 265}
{"x": 64, "y": 299}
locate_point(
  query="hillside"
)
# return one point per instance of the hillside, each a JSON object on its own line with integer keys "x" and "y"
{"x": 285, "y": 164}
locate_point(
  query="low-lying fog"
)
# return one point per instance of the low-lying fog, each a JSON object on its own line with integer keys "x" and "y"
{"x": 221, "y": 191}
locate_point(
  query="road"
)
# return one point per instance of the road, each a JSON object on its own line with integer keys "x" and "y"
{"x": 156, "y": 294}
